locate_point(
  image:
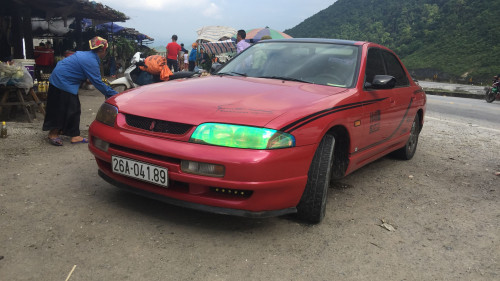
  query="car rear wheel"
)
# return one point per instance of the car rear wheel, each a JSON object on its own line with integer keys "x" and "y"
{"x": 312, "y": 205}
{"x": 119, "y": 87}
{"x": 407, "y": 152}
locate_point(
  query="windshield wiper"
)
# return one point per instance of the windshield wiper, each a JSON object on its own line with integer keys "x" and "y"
{"x": 233, "y": 73}
{"x": 284, "y": 78}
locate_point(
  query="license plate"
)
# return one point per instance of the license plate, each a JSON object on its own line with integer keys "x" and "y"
{"x": 140, "y": 170}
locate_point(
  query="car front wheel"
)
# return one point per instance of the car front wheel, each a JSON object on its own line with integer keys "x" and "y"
{"x": 312, "y": 205}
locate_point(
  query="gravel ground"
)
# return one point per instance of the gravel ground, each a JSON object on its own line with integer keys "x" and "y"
{"x": 434, "y": 217}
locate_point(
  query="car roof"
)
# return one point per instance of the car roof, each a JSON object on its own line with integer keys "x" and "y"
{"x": 317, "y": 40}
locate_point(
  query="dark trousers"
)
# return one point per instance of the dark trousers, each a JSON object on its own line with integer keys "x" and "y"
{"x": 175, "y": 63}
{"x": 191, "y": 65}
{"x": 62, "y": 112}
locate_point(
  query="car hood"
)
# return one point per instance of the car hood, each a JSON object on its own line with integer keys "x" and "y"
{"x": 237, "y": 100}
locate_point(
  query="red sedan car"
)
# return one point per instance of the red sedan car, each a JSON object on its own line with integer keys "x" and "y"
{"x": 266, "y": 133}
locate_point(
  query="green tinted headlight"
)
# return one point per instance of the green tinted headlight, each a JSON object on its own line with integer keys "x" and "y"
{"x": 107, "y": 114}
{"x": 241, "y": 136}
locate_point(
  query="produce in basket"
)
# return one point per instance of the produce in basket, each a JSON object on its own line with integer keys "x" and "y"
{"x": 15, "y": 75}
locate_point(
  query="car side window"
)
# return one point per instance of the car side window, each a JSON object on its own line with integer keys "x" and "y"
{"x": 374, "y": 65}
{"x": 395, "y": 69}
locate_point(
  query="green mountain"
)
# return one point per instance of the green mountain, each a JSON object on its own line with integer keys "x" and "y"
{"x": 455, "y": 39}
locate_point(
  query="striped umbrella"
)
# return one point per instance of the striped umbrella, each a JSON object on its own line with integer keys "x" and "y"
{"x": 257, "y": 33}
{"x": 216, "y": 48}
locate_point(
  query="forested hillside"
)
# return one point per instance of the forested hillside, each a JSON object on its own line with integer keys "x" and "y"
{"x": 457, "y": 39}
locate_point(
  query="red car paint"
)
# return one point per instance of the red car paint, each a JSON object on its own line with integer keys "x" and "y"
{"x": 377, "y": 122}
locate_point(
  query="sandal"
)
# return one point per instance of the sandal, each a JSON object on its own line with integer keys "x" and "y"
{"x": 84, "y": 140}
{"x": 55, "y": 141}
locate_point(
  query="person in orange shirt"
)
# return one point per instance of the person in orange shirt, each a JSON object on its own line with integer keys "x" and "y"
{"x": 173, "y": 54}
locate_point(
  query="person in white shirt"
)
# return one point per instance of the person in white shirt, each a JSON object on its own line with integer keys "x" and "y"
{"x": 186, "y": 62}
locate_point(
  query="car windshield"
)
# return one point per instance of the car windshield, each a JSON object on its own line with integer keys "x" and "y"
{"x": 316, "y": 63}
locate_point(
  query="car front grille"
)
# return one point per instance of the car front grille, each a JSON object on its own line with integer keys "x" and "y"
{"x": 159, "y": 126}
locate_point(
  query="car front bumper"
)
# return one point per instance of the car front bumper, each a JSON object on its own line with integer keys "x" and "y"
{"x": 273, "y": 180}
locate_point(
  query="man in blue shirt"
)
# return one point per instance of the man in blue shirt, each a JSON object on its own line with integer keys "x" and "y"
{"x": 192, "y": 57}
{"x": 63, "y": 104}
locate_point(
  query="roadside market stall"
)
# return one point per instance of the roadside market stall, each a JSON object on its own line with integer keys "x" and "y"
{"x": 223, "y": 50}
{"x": 17, "y": 82}
{"x": 217, "y": 42}
{"x": 22, "y": 21}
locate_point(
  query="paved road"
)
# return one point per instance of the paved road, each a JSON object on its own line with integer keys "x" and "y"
{"x": 432, "y": 87}
{"x": 468, "y": 111}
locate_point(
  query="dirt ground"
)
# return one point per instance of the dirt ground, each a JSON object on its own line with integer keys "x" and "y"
{"x": 60, "y": 221}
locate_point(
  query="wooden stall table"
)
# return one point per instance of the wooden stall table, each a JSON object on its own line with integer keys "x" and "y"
{"x": 17, "y": 97}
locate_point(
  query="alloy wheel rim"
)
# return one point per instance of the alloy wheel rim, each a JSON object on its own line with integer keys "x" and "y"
{"x": 413, "y": 137}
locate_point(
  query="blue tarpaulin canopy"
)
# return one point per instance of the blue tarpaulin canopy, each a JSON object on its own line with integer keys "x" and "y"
{"x": 110, "y": 27}
{"x": 114, "y": 28}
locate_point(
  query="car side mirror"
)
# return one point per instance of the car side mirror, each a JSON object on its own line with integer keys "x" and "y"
{"x": 381, "y": 82}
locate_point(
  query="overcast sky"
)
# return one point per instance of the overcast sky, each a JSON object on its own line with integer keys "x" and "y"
{"x": 161, "y": 19}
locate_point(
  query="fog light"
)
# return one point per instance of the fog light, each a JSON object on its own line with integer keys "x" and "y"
{"x": 102, "y": 145}
{"x": 199, "y": 168}
{"x": 233, "y": 192}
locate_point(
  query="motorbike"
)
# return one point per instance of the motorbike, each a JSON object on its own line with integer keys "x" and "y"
{"x": 132, "y": 75}
{"x": 493, "y": 92}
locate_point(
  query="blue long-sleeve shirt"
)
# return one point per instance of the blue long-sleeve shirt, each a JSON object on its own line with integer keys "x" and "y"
{"x": 73, "y": 70}
{"x": 192, "y": 55}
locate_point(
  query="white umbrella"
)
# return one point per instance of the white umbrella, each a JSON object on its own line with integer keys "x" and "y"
{"x": 215, "y": 33}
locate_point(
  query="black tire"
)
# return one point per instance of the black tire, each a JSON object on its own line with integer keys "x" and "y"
{"x": 119, "y": 87}
{"x": 407, "y": 151}
{"x": 312, "y": 205}
{"x": 489, "y": 96}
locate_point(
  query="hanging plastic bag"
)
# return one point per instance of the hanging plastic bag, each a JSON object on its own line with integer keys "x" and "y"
{"x": 15, "y": 75}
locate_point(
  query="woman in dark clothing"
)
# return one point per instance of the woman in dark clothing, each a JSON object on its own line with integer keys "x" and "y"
{"x": 63, "y": 104}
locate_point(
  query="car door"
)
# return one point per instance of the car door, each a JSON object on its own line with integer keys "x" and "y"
{"x": 400, "y": 96}
{"x": 377, "y": 103}
{"x": 384, "y": 110}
